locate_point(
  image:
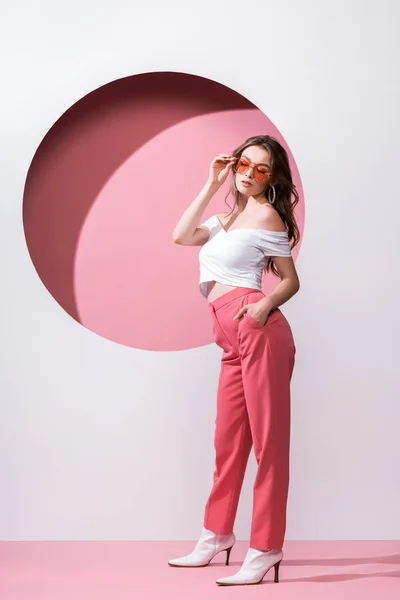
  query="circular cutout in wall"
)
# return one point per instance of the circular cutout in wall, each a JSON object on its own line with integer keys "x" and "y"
{"x": 105, "y": 190}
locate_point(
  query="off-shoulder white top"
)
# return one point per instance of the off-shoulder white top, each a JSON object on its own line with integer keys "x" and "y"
{"x": 237, "y": 257}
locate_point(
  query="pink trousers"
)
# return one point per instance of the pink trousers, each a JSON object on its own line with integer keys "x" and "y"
{"x": 253, "y": 409}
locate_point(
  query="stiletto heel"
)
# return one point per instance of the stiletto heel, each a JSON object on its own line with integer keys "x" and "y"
{"x": 228, "y": 553}
{"x": 276, "y": 580}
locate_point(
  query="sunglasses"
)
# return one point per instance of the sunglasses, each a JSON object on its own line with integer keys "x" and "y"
{"x": 260, "y": 172}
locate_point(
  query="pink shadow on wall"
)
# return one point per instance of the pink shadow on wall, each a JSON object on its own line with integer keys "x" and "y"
{"x": 105, "y": 189}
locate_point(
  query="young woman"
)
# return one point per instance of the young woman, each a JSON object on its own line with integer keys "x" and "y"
{"x": 253, "y": 399}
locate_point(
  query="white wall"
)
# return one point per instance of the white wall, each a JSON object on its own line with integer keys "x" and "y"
{"x": 79, "y": 461}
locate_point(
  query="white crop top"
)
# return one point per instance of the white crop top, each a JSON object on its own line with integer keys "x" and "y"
{"x": 237, "y": 257}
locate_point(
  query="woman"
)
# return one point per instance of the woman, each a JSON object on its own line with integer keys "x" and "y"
{"x": 253, "y": 399}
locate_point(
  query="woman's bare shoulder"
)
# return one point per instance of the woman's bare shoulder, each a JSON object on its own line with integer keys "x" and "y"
{"x": 272, "y": 220}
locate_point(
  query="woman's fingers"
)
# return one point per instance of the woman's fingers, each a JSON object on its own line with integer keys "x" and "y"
{"x": 221, "y": 165}
{"x": 224, "y": 157}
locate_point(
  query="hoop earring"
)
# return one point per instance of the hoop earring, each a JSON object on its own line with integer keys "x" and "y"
{"x": 273, "y": 194}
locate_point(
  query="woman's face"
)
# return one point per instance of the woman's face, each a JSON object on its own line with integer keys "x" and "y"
{"x": 248, "y": 182}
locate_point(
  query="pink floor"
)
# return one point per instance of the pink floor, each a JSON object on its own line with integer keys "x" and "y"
{"x": 139, "y": 570}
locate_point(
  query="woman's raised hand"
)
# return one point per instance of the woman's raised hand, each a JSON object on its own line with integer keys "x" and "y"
{"x": 220, "y": 167}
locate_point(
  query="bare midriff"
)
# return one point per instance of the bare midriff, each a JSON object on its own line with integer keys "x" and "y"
{"x": 216, "y": 289}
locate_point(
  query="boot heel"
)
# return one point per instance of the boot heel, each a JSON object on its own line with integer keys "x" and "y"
{"x": 276, "y": 565}
{"x": 228, "y": 553}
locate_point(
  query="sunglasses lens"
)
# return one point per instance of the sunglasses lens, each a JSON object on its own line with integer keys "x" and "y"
{"x": 242, "y": 166}
{"x": 260, "y": 173}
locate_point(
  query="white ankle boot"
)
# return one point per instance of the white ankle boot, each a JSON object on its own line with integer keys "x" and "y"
{"x": 206, "y": 548}
{"x": 254, "y": 568}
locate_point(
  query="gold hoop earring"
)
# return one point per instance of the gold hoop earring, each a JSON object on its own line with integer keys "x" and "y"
{"x": 273, "y": 194}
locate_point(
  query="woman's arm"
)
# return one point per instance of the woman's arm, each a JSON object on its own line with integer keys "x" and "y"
{"x": 186, "y": 231}
{"x": 287, "y": 287}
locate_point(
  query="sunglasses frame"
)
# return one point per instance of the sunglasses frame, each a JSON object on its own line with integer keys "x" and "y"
{"x": 253, "y": 166}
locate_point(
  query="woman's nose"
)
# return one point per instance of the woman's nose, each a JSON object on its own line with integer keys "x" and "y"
{"x": 250, "y": 167}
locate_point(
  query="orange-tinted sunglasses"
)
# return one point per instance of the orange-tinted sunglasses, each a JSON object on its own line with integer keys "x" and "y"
{"x": 260, "y": 171}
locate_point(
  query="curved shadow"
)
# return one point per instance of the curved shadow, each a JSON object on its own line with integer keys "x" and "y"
{"x": 336, "y": 577}
{"x": 87, "y": 145}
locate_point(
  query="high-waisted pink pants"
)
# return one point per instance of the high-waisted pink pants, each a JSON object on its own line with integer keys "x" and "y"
{"x": 253, "y": 409}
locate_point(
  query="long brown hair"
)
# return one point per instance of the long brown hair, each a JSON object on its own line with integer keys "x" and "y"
{"x": 286, "y": 197}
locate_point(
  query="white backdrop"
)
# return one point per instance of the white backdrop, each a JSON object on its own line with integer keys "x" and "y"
{"x": 80, "y": 461}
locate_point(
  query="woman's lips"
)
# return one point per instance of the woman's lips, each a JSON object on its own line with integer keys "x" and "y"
{"x": 246, "y": 183}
